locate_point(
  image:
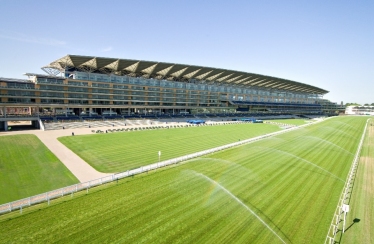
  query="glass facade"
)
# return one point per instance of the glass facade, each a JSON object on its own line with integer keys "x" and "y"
{"x": 91, "y": 89}
{"x": 235, "y": 93}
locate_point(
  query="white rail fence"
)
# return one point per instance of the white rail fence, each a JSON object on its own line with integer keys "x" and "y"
{"x": 338, "y": 220}
{"x": 46, "y": 197}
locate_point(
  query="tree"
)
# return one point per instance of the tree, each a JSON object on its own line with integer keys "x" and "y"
{"x": 352, "y": 104}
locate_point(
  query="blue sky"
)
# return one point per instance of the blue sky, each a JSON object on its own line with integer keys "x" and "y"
{"x": 328, "y": 44}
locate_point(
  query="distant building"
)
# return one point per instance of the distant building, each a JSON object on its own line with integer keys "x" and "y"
{"x": 359, "y": 110}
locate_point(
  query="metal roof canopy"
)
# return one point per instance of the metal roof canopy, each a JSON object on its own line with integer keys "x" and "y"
{"x": 175, "y": 72}
{"x": 3, "y": 79}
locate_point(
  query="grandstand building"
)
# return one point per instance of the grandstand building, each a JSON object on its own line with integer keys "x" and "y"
{"x": 87, "y": 87}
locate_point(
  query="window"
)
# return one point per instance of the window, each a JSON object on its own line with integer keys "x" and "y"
{"x": 76, "y": 83}
{"x": 100, "y": 85}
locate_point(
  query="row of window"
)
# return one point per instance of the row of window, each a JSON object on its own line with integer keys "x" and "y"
{"x": 163, "y": 83}
{"x": 149, "y": 103}
{"x": 107, "y": 86}
{"x": 152, "y": 96}
{"x": 178, "y": 93}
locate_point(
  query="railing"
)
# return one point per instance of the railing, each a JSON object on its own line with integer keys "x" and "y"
{"x": 46, "y": 197}
{"x": 338, "y": 219}
{"x": 280, "y": 124}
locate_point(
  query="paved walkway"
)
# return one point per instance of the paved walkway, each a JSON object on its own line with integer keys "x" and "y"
{"x": 82, "y": 170}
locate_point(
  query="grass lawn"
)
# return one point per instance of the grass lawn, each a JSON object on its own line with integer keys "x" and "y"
{"x": 27, "y": 168}
{"x": 283, "y": 188}
{"x": 360, "y": 219}
{"x": 120, "y": 151}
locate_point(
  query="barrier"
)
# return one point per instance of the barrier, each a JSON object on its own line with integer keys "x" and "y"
{"x": 338, "y": 219}
{"x": 46, "y": 197}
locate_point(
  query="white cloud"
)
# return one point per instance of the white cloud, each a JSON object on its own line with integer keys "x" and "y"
{"x": 107, "y": 49}
{"x": 32, "y": 39}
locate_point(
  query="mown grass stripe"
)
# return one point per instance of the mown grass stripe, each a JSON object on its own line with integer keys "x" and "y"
{"x": 171, "y": 204}
{"x": 108, "y": 153}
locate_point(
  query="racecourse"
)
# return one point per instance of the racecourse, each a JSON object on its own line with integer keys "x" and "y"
{"x": 281, "y": 189}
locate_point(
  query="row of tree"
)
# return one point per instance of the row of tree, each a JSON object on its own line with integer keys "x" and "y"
{"x": 357, "y": 104}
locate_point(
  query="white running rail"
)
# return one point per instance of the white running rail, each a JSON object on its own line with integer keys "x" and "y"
{"x": 337, "y": 223}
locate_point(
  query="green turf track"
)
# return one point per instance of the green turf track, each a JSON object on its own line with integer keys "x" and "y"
{"x": 28, "y": 168}
{"x": 290, "y": 181}
{"x": 120, "y": 151}
{"x": 360, "y": 219}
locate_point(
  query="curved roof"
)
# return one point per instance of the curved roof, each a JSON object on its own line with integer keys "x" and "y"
{"x": 176, "y": 72}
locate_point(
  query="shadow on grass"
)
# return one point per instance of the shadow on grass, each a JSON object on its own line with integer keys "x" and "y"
{"x": 356, "y": 220}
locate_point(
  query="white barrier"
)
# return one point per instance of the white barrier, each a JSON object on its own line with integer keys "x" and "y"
{"x": 338, "y": 219}
{"x": 46, "y": 197}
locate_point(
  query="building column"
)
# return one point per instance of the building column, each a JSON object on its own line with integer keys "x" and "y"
{"x": 90, "y": 111}
{"x": 6, "y": 125}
